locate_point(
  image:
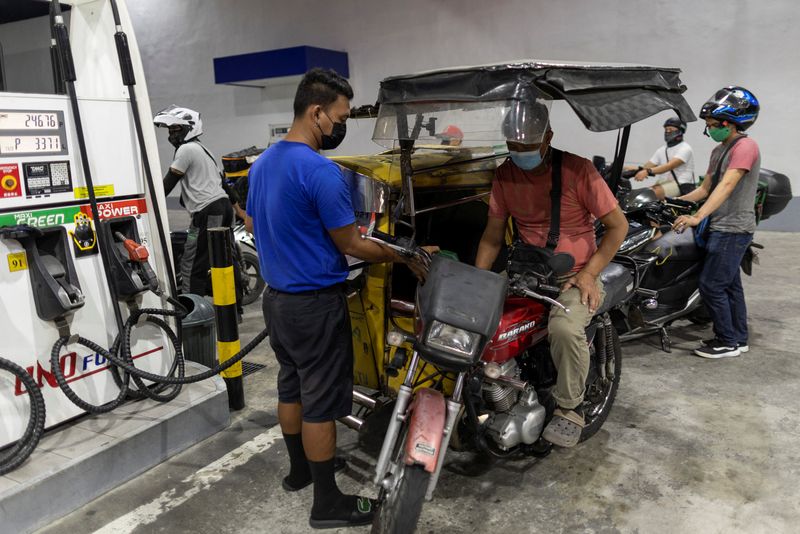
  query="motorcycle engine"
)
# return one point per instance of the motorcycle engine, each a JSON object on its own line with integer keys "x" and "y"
{"x": 518, "y": 417}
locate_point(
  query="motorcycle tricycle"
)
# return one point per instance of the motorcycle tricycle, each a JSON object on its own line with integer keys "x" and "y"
{"x": 465, "y": 356}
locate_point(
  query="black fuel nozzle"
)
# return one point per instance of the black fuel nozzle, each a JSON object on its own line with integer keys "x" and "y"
{"x": 19, "y": 232}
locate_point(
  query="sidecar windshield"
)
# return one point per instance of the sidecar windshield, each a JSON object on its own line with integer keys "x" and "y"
{"x": 463, "y": 124}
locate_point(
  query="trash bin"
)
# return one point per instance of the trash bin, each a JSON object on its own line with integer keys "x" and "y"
{"x": 199, "y": 338}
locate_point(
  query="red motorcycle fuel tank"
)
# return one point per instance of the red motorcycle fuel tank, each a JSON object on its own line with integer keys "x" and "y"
{"x": 524, "y": 322}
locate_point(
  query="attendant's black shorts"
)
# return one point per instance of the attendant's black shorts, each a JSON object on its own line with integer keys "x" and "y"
{"x": 310, "y": 334}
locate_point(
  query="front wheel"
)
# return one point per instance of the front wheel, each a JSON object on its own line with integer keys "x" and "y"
{"x": 401, "y": 508}
{"x": 601, "y": 392}
{"x": 252, "y": 283}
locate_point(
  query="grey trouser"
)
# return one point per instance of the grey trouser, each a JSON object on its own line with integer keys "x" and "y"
{"x": 568, "y": 346}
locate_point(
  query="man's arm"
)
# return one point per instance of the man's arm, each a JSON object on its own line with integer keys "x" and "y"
{"x": 658, "y": 169}
{"x": 248, "y": 223}
{"x": 349, "y": 242}
{"x": 721, "y": 192}
{"x": 699, "y": 193}
{"x": 491, "y": 242}
{"x": 715, "y": 200}
{"x": 616, "y": 226}
{"x": 171, "y": 179}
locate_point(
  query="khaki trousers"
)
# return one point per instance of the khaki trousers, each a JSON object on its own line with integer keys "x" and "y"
{"x": 568, "y": 346}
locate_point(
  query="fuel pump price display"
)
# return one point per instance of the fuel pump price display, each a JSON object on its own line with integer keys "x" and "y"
{"x": 24, "y": 120}
{"x": 30, "y": 144}
{"x": 32, "y": 133}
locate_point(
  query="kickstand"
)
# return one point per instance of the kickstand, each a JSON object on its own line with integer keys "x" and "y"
{"x": 666, "y": 343}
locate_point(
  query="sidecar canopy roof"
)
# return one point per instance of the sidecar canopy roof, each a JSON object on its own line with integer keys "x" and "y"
{"x": 604, "y": 96}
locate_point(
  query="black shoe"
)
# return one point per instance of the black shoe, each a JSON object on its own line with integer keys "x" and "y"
{"x": 718, "y": 350}
{"x": 351, "y": 511}
{"x": 743, "y": 347}
{"x": 338, "y": 464}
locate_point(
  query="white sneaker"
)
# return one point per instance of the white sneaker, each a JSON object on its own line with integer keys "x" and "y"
{"x": 744, "y": 348}
{"x": 717, "y": 350}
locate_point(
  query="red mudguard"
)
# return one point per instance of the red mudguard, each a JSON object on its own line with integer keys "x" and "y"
{"x": 425, "y": 428}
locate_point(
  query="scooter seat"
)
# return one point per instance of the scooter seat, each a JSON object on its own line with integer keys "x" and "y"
{"x": 618, "y": 282}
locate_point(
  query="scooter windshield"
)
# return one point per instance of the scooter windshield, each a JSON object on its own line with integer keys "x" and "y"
{"x": 463, "y": 124}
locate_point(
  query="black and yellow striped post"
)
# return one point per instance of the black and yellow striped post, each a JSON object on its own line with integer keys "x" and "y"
{"x": 223, "y": 287}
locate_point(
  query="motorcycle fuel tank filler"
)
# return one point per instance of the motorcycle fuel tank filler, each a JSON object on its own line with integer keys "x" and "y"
{"x": 43, "y": 184}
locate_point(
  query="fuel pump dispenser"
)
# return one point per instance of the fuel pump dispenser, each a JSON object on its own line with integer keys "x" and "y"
{"x": 84, "y": 240}
{"x": 72, "y": 174}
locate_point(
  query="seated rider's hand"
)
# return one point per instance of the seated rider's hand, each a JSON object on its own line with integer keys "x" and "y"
{"x": 587, "y": 285}
{"x": 641, "y": 175}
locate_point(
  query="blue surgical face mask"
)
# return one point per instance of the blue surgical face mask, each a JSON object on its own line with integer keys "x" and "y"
{"x": 527, "y": 160}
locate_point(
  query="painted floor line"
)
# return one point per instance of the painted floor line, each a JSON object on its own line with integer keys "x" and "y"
{"x": 198, "y": 481}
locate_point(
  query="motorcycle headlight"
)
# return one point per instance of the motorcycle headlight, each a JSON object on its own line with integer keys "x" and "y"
{"x": 451, "y": 339}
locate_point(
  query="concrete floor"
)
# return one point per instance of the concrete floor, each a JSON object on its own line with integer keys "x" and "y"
{"x": 691, "y": 446}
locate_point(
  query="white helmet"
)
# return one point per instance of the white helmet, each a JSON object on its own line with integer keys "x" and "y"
{"x": 188, "y": 119}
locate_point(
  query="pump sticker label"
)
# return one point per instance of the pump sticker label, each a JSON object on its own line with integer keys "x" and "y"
{"x": 47, "y": 178}
{"x": 60, "y": 216}
{"x": 10, "y": 185}
{"x": 99, "y": 191}
{"x": 50, "y": 217}
{"x": 119, "y": 208}
{"x": 17, "y": 261}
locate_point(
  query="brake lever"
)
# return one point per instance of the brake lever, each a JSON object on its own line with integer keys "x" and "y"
{"x": 554, "y": 302}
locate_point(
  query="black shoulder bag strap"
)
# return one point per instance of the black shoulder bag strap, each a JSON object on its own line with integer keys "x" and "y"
{"x": 672, "y": 171}
{"x": 555, "y": 201}
{"x": 233, "y": 196}
{"x": 718, "y": 172}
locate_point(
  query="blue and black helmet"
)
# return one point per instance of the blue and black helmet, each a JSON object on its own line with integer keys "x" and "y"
{"x": 733, "y": 104}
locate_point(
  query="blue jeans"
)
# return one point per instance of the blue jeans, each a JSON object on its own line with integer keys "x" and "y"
{"x": 721, "y": 286}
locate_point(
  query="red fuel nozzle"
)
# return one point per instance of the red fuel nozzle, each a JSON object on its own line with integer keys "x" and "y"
{"x": 136, "y": 251}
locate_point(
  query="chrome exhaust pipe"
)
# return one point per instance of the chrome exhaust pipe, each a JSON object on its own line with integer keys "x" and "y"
{"x": 351, "y": 421}
{"x": 364, "y": 400}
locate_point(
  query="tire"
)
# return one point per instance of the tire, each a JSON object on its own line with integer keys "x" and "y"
{"x": 400, "y": 511}
{"x": 252, "y": 283}
{"x": 600, "y": 397}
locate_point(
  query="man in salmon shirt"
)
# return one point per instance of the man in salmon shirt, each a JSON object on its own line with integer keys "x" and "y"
{"x": 521, "y": 190}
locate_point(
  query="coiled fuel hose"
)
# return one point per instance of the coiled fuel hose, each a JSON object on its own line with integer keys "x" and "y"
{"x": 121, "y": 357}
{"x": 18, "y": 452}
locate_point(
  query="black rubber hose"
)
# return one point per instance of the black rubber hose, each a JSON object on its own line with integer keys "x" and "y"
{"x": 15, "y": 455}
{"x": 144, "y": 390}
{"x": 55, "y": 369}
{"x": 178, "y": 362}
{"x": 123, "y": 364}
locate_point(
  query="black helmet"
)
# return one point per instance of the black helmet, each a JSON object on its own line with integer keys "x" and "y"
{"x": 675, "y": 122}
{"x": 733, "y": 104}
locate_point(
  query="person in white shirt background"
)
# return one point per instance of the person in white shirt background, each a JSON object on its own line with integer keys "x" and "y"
{"x": 672, "y": 163}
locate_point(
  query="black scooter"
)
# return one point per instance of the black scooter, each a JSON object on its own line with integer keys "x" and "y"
{"x": 666, "y": 265}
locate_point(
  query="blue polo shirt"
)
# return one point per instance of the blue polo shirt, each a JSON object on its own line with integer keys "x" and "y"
{"x": 295, "y": 197}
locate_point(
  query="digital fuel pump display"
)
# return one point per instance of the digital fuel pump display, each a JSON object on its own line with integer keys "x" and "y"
{"x": 30, "y": 144}
{"x": 32, "y": 133}
{"x": 28, "y": 120}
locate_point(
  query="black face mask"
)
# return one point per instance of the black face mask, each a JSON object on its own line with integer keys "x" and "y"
{"x": 176, "y": 138}
{"x": 335, "y": 138}
{"x": 673, "y": 138}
